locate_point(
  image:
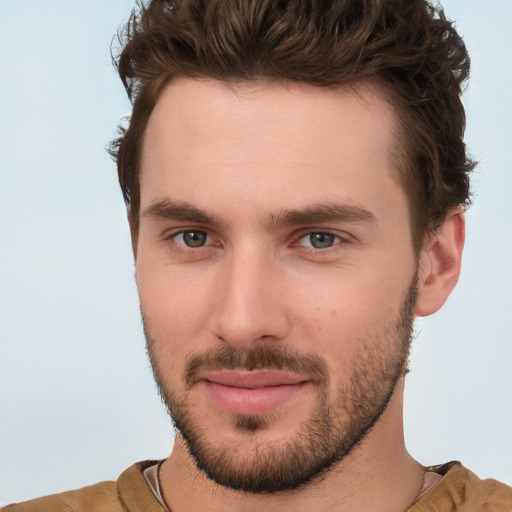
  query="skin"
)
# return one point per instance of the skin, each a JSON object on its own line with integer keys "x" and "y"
{"x": 245, "y": 154}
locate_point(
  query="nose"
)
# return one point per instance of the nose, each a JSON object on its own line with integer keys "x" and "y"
{"x": 250, "y": 304}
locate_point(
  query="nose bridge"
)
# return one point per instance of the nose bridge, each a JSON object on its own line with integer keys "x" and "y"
{"x": 249, "y": 306}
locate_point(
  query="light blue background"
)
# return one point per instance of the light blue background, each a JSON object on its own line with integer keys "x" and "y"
{"x": 77, "y": 400}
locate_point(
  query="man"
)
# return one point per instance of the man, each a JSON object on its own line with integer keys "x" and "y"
{"x": 295, "y": 178}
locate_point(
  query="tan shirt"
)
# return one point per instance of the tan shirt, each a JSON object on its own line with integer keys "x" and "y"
{"x": 459, "y": 490}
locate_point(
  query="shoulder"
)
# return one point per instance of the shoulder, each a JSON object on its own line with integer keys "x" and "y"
{"x": 101, "y": 497}
{"x": 461, "y": 490}
{"x": 130, "y": 492}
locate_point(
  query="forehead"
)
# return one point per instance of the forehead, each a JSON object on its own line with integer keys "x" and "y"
{"x": 210, "y": 109}
{"x": 266, "y": 143}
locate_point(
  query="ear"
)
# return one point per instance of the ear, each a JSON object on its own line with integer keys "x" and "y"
{"x": 439, "y": 263}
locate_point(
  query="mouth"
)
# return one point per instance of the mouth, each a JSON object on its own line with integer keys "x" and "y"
{"x": 251, "y": 392}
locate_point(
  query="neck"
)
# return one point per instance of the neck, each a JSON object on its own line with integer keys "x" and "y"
{"x": 377, "y": 476}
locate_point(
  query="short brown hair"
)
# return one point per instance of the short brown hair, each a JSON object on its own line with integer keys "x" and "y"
{"x": 407, "y": 46}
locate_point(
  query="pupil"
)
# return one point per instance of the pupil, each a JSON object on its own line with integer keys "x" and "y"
{"x": 194, "y": 238}
{"x": 321, "y": 240}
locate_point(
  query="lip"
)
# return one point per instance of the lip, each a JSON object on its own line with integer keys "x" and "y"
{"x": 251, "y": 393}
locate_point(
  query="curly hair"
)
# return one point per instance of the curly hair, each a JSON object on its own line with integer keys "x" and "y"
{"x": 407, "y": 47}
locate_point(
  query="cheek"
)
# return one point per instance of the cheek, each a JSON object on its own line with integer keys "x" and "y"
{"x": 167, "y": 291}
{"x": 175, "y": 309}
{"x": 350, "y": 297}
{"x": 341, "y": 314}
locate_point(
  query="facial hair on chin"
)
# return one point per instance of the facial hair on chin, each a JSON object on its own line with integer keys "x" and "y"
{"x": 322, "y": 439}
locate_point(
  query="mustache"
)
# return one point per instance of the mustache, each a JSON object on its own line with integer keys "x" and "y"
{"x": 256, "y": 358}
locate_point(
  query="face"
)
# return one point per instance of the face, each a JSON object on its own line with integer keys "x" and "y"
{"x": 276, "y": 273}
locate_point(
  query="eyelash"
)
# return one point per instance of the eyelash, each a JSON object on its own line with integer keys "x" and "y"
{"x": 333, "y": 238}
{"x": 175, "y": 236}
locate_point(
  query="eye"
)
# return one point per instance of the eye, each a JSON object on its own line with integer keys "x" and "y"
{"x": 319, "y": 240}
{"x": 192, "y": 238}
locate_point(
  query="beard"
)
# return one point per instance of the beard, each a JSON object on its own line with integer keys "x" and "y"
{"x": 339, "y": 422}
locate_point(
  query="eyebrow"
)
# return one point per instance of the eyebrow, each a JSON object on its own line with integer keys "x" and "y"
{"x": 168, "y": 209}
{"x": 320, "y": 213}
{"x": 180, "y": 211}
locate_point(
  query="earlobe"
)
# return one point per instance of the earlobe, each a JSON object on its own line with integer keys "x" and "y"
{"x": 439, "y": 264}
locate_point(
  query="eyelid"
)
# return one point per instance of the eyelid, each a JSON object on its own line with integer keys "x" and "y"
{"x": 169, "y": 233}
{"x": 213, "y": 240}
{"x": 173, "y": 234}
{"x": 342, "y": 236}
